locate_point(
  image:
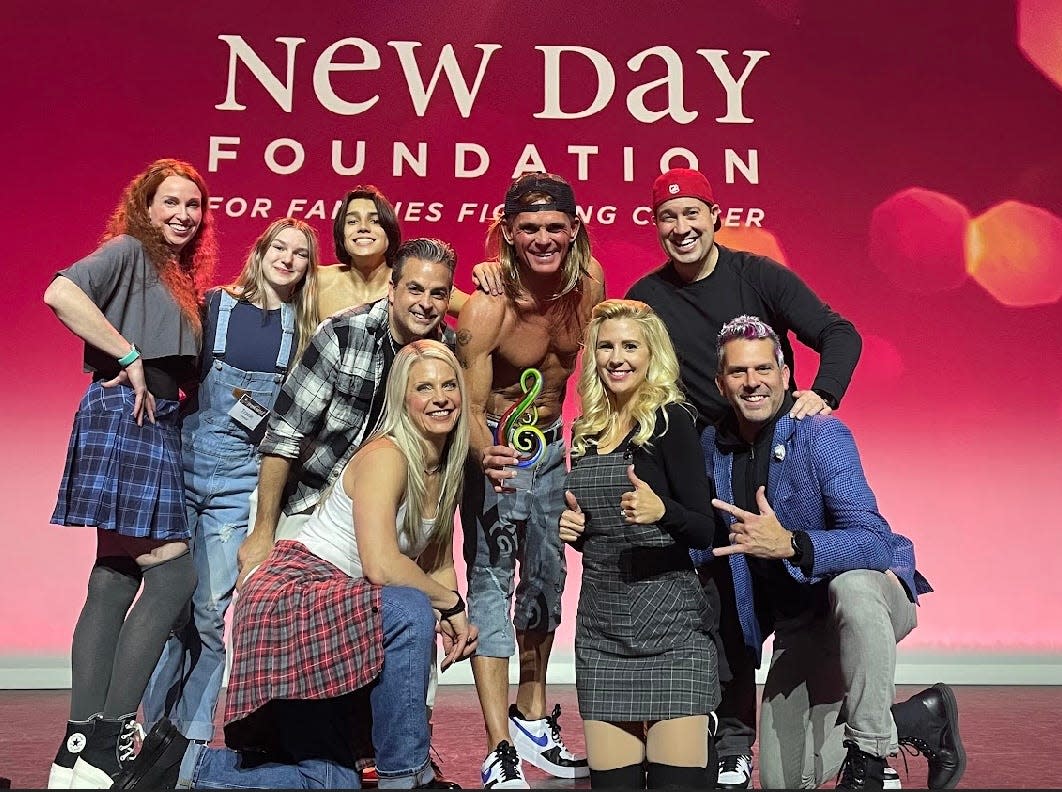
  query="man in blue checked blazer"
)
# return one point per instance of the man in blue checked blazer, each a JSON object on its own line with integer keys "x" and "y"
{"x": 814, "y": 563}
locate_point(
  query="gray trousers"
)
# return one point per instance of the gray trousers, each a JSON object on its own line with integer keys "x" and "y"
{"x": 832, "y": 679}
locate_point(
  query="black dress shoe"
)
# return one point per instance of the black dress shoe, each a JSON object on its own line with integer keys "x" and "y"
{"x": 439, "y": 783}
{"x": 158, "y": 764}
{"x": 928, "y": 723}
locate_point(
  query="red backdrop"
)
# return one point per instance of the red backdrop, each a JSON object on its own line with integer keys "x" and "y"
{"x": 902, "y": 157}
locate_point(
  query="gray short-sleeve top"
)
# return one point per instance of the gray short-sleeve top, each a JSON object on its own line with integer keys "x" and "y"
{"x": 122, "y": 281}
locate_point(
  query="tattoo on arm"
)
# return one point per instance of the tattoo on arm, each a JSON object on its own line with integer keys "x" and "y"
{"x": 464, "y": 338}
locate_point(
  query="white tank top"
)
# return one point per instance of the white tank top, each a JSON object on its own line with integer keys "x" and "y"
{"x": 329, "y": 533}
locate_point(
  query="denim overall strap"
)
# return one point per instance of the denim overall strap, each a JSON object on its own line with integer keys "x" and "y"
{"x": 221, "y": 332}
{"x": 287, "y": 322}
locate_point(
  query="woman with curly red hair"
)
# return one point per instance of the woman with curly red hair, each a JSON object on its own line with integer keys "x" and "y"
{"x": 134, "y": 302}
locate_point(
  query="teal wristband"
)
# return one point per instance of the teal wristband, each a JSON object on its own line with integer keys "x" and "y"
{"x": 129, "y": 357}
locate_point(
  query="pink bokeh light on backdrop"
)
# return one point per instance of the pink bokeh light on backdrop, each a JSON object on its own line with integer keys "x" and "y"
{"x": 1040, "y": 36}
{"x": 916, "y": 240}
{"x": 1014, "y": 251}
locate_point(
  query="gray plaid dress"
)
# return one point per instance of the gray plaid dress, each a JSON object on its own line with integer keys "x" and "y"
{"x": 643, "y": 650}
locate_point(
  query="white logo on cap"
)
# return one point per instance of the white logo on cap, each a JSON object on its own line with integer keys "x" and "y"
{"x": 672, "y": 188}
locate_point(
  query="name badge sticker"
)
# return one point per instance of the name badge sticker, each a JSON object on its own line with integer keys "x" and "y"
{"x": 248, "y": 413}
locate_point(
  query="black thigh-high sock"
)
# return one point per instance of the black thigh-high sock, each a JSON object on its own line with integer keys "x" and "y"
{"x": 629, "y": 777}
{"x": 662, "y": 776}
{"x": 167, "y": 587}
{"x": 112, "y": 586}
{"x": 713, "y": 762}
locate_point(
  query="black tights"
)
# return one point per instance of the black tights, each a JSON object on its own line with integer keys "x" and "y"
{"x": 113, "y": 654}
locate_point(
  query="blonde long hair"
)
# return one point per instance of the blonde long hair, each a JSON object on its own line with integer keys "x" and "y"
{"x": 397, "y": 425}
{"x": 660, "y": 387}
{"x": 250, "y": 284}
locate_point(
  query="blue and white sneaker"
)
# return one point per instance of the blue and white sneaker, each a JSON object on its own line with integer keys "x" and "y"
{"x": 502, "y": 770}
{"x": 539, "y": 742}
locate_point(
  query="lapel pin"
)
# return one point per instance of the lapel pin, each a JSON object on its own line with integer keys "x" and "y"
{"x": 778, "y": 452}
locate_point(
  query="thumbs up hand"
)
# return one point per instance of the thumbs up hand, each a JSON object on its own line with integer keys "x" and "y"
{"x": 641, "y": 506}
{"x": 572, "y": 519}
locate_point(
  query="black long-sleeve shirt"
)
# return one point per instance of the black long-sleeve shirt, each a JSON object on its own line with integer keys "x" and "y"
{"x": 744, "y": 283}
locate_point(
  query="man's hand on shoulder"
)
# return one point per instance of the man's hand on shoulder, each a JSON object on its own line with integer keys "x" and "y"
{"x": 808, "y": 402}
{"x": 489, "y": 277}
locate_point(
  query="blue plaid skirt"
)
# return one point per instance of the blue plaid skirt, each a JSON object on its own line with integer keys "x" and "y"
{"x": 120, "y": 476}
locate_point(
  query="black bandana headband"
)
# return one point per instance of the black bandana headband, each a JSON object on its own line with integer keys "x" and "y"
{"x": 563, "y": 199}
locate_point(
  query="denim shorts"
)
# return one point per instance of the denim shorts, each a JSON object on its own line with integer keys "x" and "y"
{"x": 501, "y": 529}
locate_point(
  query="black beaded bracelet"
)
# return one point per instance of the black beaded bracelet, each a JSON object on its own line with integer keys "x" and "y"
{"x": 449, "y": 613}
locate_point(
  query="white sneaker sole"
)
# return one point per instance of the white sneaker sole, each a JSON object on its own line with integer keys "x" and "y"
{"x": 60, "y": 777}
{"x": 514, "y": 784}
{"x": 86, "y": 776}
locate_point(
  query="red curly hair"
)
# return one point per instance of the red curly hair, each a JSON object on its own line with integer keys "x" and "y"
{"x": 187, "y": 274}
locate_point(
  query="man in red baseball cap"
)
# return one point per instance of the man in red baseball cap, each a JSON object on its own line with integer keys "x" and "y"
{"x": 701, "y": 287}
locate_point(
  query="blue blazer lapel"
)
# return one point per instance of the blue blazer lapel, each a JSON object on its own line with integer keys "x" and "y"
{"x": 782, "y": 449}
{"x": 739, "y": 568}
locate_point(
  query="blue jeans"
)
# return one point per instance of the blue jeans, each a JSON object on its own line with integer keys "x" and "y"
{"x": 399, "y": 719}
{"x": 219, "y": 474}
{"x": 220, "y": 768}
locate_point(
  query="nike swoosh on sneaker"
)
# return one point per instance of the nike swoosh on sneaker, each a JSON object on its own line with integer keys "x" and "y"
{"x": 485, "y": 775}
{"x": 541, "y": 742}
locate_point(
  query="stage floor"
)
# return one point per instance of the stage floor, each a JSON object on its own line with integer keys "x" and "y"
{"x": 1010, "y": 734}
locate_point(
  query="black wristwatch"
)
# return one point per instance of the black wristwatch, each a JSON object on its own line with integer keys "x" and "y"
{"x": 829, "y": 398}
{"x": 798, "y": 551}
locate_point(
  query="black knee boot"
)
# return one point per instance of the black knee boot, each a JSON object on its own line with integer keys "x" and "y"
{"x": 629, "y": 777}
{"x": 662, "y": 776}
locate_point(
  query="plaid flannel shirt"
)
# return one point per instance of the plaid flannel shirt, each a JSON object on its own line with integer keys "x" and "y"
{"x": 320, "y": 415}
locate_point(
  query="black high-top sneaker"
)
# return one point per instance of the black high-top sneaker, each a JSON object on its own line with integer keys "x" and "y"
{"x": 861, "y": 770}
{"x": 110, "y": 747}
{"x": 158, "y": 764}
{"x": 61, "y": 775}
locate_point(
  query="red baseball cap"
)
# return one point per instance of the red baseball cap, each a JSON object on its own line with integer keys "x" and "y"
{"x": 682, "y": 183}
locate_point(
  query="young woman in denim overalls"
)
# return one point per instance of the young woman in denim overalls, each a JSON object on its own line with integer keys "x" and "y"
{"x": 220, "y": 451}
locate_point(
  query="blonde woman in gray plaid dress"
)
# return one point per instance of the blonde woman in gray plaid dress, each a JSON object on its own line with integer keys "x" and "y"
{"x": 637, "y": 500}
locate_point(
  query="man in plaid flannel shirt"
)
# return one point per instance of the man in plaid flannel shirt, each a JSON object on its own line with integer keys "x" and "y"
{"x": 816, "y": 564}
{"x": 332, "y": 399}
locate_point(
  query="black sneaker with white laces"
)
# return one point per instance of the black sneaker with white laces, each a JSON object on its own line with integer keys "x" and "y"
{"x": 735, "y": 772}
{"x": 158, "y": 764}
{"x": 861, "y": 770}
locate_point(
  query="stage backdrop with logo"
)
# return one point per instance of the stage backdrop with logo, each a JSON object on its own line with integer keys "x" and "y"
{"x": 903, "y": 158}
